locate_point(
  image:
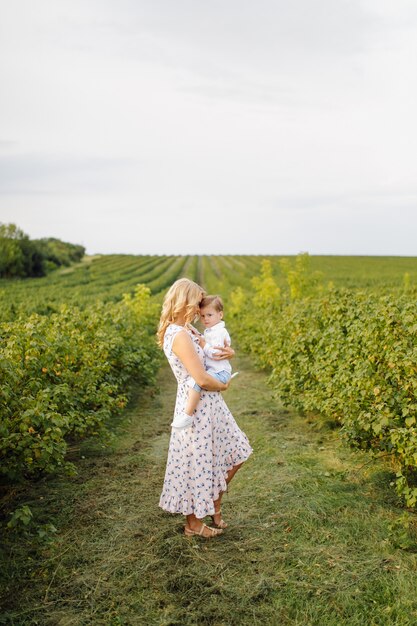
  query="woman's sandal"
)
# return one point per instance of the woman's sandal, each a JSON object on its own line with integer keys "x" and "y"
{"x": 222, "y": 524}
{"x": 189, "y": 532}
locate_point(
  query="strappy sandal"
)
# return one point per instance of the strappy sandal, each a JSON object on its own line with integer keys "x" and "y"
{"x": 189, "y": 532}
{"x": 222, "y": 524}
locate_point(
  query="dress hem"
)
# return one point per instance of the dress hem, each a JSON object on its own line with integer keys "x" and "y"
{"x": 201, "y": 508}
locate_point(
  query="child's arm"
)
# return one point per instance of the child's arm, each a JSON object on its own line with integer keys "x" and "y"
{"x": 200, "y": 337}
{"x": 207, "y": 348}
{"x": 228, "y": 341}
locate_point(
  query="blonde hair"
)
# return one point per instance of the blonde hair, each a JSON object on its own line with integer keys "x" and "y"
{"x": 215, "y": 301}
{"x": 182, "y": 298}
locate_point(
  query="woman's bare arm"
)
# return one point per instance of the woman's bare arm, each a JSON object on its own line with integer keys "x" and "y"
{"x": 183, "y": 348}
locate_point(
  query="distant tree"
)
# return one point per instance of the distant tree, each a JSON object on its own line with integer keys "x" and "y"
{"x": 33, "y": 258}
{"x": 11, "y": 254}
{"x": 60, "y": 252}
{"x": 21, "y": 256}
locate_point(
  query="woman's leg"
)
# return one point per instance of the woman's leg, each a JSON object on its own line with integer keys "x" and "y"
{"x": 194, "y": 523}
{"x": 217, "y": 517}
{"x": 232, "y": 472}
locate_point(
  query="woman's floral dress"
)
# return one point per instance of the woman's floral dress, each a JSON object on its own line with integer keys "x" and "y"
{"x": 199, "y": 456}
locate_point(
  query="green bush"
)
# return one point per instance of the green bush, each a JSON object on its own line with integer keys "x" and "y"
{"x": 66, "y": 374}
{"x": 350, "y": 356}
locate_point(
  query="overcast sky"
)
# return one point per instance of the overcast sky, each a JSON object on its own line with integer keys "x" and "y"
{"x": 191, "y": 126}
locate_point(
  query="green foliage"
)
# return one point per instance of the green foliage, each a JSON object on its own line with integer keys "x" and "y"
{"x": 402, "y": 532}
{"x": 57, "y": 252}
{"x": 22, "y": 523}
{"x": 22, "y": 257}
{"x": 236, "y": 302}
{"x": 267, "y": 293}
{"x": 22, "y": 516}
{"x": 11, "y": 253}
{"x": 64, "y": 375}
{"x": 349, "y": 356}
{"x": 300, "y": 279}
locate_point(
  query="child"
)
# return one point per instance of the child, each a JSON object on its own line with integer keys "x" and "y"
{"x": 215, "y": 334}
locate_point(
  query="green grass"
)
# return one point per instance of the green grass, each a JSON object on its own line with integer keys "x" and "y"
{"x": 314, "y": 535}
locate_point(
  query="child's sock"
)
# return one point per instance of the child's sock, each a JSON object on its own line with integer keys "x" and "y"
{"x": 182, "y": 421}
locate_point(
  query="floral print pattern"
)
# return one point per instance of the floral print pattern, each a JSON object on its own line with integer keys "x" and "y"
{"x": 199, "y": 456}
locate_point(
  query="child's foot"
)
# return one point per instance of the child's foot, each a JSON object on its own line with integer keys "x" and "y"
{"x": 182, "y": 421}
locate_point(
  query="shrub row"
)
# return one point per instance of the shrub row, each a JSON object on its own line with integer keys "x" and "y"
{"x": 349, "y": 356}
{"x": 64, "y": 375}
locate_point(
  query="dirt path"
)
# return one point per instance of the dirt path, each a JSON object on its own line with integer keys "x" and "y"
{"x": 309, "y": 539}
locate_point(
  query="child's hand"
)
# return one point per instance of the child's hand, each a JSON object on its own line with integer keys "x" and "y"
{"x": 195, "y": 331}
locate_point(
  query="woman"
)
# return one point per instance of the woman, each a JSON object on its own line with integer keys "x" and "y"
{"x": 203, "y": 458}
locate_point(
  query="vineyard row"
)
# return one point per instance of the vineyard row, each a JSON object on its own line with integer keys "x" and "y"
{"x": 350, "y": 356}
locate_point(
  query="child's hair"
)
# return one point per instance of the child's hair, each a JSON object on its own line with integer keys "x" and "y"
{"x": 182, "y": 297}
{"x": 215, "y": 301}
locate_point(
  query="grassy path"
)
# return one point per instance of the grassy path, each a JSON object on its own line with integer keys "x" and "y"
{"x": 308, "y": 543}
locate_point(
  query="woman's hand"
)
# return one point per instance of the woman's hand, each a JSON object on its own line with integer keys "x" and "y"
{"x": 223, "y": 352}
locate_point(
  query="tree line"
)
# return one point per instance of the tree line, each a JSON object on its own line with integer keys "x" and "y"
{"x": 23, "y": 257}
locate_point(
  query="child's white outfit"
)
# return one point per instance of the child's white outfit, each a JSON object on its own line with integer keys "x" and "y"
{"x": 217, "y": 335}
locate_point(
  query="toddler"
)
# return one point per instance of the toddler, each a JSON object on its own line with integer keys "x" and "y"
{"x": 215, "y": 334}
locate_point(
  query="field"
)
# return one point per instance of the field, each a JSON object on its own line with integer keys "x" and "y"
{"x": 107, "y": 278}
{"x": 323, "y": 529}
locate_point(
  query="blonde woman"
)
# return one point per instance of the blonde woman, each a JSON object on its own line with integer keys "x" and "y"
{"x": 204, "y": 457}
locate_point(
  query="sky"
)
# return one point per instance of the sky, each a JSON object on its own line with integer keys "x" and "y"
{"x": 221, "y": 127}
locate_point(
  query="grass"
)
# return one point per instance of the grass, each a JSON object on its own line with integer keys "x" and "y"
{"x": 315, "y": 535}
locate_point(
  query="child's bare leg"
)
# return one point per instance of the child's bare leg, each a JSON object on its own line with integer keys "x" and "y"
{"x": 192, "y": 402}
{"x": 185, "y": 419}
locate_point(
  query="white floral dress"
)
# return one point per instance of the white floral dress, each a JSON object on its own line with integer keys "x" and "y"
{"x": 199, "y": 456}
